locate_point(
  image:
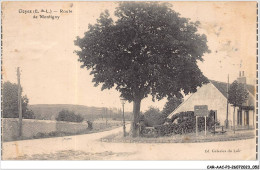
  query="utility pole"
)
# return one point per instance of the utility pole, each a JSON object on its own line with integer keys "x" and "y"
{"x": 227, "y": 103}
{"x": 19, "y": 102}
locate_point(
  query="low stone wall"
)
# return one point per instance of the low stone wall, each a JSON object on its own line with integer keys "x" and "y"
{"x": 103, "y": 124}
{"x": 9, "y": 129}
{"x": 31, "y": 127}
{"x": 69, "y": 127}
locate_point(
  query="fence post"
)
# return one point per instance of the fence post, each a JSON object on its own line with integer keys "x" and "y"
{"x": 196, "y": 125}
{"x": 205, "y": 125}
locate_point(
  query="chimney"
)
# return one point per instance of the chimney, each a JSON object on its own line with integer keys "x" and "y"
{"x": 241, "y": 78}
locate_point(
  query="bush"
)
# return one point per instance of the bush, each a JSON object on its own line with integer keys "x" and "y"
{"x": 153, "y": 117}
{"x": 90, "y": 125}
{"x": 167, "y": 129}
{"x": 185, "y": 122}
{"x": 149, "y": 133}
{"x": 69, "y": 116}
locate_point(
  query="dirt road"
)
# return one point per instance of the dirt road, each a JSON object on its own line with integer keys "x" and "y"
{"x": 89, "y": 147}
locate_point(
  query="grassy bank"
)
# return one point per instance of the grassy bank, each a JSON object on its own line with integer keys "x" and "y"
{"x": 186, "y": 138}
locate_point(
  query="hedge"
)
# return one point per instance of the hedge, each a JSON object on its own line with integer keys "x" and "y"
{"x": 69, "y": 116}
{"x": 185, "y": 122}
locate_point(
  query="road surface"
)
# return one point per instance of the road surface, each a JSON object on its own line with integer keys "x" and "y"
{"x": 90, "y": 147}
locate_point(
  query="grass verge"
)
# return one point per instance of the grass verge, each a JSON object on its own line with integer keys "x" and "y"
{"x": 185, "y": 138}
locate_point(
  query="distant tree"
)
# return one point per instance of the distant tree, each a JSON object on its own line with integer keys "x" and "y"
{"x": 149, "y": 49}
{"x": 237, "y": 94}
{"x": 171, "y": 105}
{"x": 69, "y": 116}
{"x": 10, "y": 102}
{"x": 153, "y": 117}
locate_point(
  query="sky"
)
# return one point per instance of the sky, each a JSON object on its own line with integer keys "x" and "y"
{"x": 51, "y": 74}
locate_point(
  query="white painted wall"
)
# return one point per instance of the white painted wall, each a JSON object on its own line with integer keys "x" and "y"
{"x": 209, "y": 95}
{"x": 252, "y": 116}
{"x": 231, "y": 118}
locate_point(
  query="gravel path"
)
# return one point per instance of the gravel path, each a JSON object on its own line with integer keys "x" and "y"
{"x": 90, "y": 147}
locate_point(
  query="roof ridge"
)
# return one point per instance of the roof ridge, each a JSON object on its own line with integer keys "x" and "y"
{"x": 180, "y": 105}
{"x": 230, "y": 83}
{"x": 217, "y": 84}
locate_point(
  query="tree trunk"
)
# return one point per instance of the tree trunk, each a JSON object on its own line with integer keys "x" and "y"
{"x": 135, "y": 120}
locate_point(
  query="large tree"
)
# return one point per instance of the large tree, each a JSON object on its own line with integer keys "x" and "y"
{"x": 148, "y": 49}
{"x": 10, "y": 102}
{"x": 237, "y": 96}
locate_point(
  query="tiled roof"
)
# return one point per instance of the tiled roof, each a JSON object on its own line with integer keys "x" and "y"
{"x": 222, "y": 87}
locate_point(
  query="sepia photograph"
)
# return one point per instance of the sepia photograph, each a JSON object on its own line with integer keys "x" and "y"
{"x": 129, "y": 80}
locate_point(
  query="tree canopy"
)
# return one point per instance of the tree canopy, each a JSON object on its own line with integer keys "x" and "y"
{"x": 237, "y": 94}
{"x": 147, "y": 49}
{"x": 10, "y": 102}
{"x": 171, "y": 105}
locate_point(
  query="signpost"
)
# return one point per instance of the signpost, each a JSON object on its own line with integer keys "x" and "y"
{"x": 201, "y": 111}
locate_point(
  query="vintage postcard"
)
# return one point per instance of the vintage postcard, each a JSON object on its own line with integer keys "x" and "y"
{"x": 129, "y": 80}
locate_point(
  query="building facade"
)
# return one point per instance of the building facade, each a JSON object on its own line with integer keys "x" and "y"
{"x": 215, "y": 96}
